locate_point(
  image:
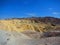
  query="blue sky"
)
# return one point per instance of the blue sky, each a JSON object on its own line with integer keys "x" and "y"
{"x": 29, "y": 8}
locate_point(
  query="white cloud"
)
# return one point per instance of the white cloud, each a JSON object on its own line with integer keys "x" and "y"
{"x": 56, "y": 13}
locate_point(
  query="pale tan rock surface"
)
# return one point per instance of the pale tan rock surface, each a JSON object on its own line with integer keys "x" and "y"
{"x": 14, "y": 38}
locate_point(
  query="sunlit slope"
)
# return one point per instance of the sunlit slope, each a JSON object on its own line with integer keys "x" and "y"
{"x": 21, "y": 25}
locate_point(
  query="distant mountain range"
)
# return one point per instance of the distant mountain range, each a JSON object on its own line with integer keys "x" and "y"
{"x": 41, "y": 19}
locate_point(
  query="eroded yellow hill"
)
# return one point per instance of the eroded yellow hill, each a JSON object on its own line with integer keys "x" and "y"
{"x": 22, "y": 25}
